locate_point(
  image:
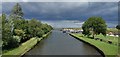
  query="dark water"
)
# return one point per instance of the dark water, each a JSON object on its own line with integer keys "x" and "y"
{"x": 59, "y": 43}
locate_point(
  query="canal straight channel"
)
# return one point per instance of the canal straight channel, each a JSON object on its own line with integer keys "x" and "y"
{"x": 58, "y": 43}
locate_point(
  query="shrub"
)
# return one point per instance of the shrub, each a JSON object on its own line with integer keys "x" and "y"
{"x": 19, "y": 32}
{"x": 110, "y": 42}
{"x": 101, "y": 39}
{"x": 40, "y": 33}
{"x": 12, "y": 42}
{"x": 17, "y": 38}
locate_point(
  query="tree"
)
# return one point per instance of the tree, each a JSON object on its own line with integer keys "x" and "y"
{"x": 118, "y": 27}
{"x": 0, "y": 25}
{"x": 46, "y": 28}
{"x": 6, "y": 31}
{"x": 96, "y": 25}
{"x": 16, "y": 30}
{"x": 85, "y": 30}
{"x": 7, "y": 36}
{"x": 17, "y": 12}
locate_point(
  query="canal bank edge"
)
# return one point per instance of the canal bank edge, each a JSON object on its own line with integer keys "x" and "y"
{"x": 26, "y": 49}
{"x": 38, "y": 40}
{"x": 100, "y": 51}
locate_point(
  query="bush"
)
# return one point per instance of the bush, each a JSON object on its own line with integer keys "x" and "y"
{"x": 12, "y": 42}
{"x": 96, "y": 38}
{"x": 110, "y": 42}
{"x": 25, "y": 38}
{"x": 40, "y": 33}
{"x": 17, "y": 38}
{"x": 19, "y": 32}
{"x": 101, "y": 39}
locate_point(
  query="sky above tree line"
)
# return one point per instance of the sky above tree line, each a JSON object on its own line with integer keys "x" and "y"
{"x": 66, "y": 11}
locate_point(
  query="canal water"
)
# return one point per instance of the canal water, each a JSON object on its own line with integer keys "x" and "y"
{"x": 58, "y": 43}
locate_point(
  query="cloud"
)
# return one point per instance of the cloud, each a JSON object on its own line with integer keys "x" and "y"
{"x": 72, "y": 23}
{"x": 64, "y": 23}
{"x": 60, "y": 0}
{"x": 66, "y": 14}
{"x": 12, "y": 0}
{"x": 7, "y": 7}
{"x": 65, "y": 10}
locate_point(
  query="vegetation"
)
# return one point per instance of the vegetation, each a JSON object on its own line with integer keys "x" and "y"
{"x": 73, "y": 28}
{"x": 22, "y": 48}
{"x": 112, "y": 39}
{"x": 108, "y": 49}
{"x": 94, "y": 25}
{"x": 118, "y": 27}
{"x": 97, "y": 26}
{"x": 113, "y": 30}
{"x": 16, "y": 30}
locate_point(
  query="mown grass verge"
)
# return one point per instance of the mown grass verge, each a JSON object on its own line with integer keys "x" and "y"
{"x": 24, "y": 47}
{"x": 113, "y": 39}
{"x": 108, "y": 49}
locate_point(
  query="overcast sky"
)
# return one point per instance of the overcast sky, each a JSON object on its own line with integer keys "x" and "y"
{"x": 66, "y": 10}
{"x": 60, "y": 0}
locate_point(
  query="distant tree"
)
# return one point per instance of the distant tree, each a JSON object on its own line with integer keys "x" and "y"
{"x": 17, "y": 12}
{"x": 118, "y": 27}
{"x": 40, "y": 33}
{"x": 46, "y": 28}
{"x": 95, "y": 24}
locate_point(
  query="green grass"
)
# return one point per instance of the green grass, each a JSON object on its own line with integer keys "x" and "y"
{"x": 108, "y": 49}
{"x": 112, "y": 29}
{"x": 24, "y": 47}
{"x": 108, "y": 38}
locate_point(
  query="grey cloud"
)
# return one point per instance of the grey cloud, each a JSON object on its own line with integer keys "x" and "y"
{"x": 65, "y": 10}
{"x": 59, "y": 0}
{"x": 71, "y": 0}
{"x": 72, "y": 14}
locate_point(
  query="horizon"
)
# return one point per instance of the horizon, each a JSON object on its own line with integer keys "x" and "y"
{"x": 74, "y": 23}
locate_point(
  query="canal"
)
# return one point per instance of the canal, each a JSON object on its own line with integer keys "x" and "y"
{"x": 58, "y": 43}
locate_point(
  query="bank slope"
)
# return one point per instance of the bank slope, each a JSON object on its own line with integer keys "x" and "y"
{"x": 108, "y": 49}
{"x": 24, "y": 47}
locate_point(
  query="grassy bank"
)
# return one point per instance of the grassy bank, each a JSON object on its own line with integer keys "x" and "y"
{"x": 108, "y": 49}
{"x": 112, "y": 30}
{"x": 24, "y": 47}
{"x": 113, "y": 39}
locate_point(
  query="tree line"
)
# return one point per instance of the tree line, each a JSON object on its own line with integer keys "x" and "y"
{"x": 16, "y": 29}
